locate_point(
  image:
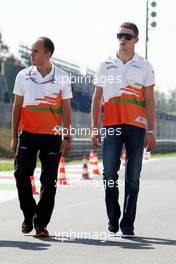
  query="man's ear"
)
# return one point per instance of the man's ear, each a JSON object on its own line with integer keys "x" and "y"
{"x": 136, "y": 40}
{"x": 49, "y": 55}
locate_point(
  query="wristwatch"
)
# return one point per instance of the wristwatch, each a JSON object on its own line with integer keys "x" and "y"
{"x": 150, "y": 132}
{"x": 69, "y": 138}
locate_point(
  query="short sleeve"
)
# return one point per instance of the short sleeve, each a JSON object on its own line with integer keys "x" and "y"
{"x": 66, "y": 88}
{"x": 99, "y": 76}
{"x": 18, "y": 87}
{"x": 149, "y": 75}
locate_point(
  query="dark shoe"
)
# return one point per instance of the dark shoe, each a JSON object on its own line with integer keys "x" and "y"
{"x": 27, "y": 226}
{"x": 128, "y": 235}
{"x": 113, "y": 228}
{"x": 127, "y": 232}
{"x": 42, "y": 232}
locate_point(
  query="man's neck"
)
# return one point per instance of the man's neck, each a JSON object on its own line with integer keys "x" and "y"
{"x": 44, "y": 69}
{"x": 125, "y": 56}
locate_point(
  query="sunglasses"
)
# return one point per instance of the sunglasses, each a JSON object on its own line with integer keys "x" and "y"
{"x": 126, "y": 35}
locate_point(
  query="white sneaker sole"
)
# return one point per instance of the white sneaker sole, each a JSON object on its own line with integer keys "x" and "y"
{"x": 127, "y": 236}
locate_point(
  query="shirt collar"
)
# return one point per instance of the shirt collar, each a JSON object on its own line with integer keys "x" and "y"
{"x": 135, "y": 61}
{"x": 34, "y": 72}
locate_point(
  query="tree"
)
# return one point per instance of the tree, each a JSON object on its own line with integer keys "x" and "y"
{"x": 172, "y": 101}
{"x": 161, "y": 102}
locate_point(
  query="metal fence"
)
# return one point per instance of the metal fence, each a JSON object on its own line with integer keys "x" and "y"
{"x": 5, "y": 114}
{"x": 81, "y": 104}
{"x": 165, "y": 124}
{"x": 166, "y": 131}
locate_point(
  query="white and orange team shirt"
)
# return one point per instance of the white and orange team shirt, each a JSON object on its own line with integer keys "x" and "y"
{"x": 123, "y": 90}
{"x": 42, "y": 104}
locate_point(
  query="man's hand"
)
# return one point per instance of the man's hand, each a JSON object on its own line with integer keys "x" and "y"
{"x": 95, "y": 116}
{"x": 96, "y": 139}
{"x": 150, "y": 112}
{"x": 13, "y": 145}
{"x": 66, "y": 147}
{"x": 16, "y": 112}
{"x": 150, "y": 142}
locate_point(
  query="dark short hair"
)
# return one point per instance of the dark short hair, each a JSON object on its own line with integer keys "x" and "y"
{"x": 131, "y": 26}
{"x": 48, "y": 44}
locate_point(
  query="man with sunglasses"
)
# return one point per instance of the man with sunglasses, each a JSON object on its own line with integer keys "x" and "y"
{"x": 41, "y": 106}
{"x": 129, "y": 120}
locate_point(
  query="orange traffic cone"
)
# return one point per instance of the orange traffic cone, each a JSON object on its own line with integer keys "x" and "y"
{"x": 85, "y": 173}
{"x": 95, "y": 170}
{"x": 62, "y": 175}
{"x": 124, "y": 157}
{"x": 91, "y": 156}
{"x": 34, "y": 189}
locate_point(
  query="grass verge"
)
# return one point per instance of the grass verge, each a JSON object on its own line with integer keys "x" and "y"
{"x": 9, "y": 165}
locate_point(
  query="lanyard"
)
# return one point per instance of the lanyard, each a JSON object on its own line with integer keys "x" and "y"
{"x": 52, "y": 80}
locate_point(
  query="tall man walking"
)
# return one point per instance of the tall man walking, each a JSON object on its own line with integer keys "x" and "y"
{"x": 41, "y": 106}
{"x": 126, "y": 83}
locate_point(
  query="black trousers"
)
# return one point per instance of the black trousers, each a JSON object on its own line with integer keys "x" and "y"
{"x": 48, "y": 147}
